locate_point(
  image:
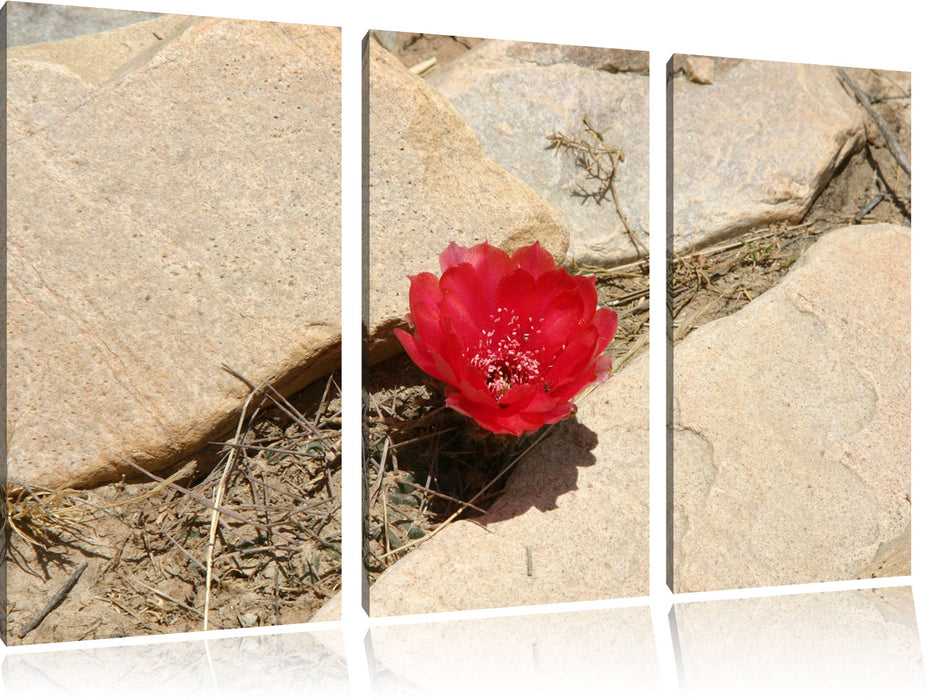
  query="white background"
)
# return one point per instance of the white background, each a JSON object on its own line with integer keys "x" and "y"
{"x": 891, "y": 35}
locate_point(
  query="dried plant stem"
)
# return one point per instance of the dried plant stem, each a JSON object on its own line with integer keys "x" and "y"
{"x": 641, "y": 249}
{"x": 893, "y": 146}
{"x": 600, "y": 161}
{"x": 447, "y": 497}
{"x": 186, "y": 471}
{"x": 381, "y": 470}
{"x": 215, "y": 513}
{"x": 55, "y": 600}
{"x": 197, "y": 498}
{"x": 159, "y": 593}
{"x": 386, "y": 525}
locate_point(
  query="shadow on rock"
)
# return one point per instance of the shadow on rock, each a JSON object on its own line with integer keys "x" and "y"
{"x": 547, "y": 472}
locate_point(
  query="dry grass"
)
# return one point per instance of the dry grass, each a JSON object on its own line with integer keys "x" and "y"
{"x": 721, "y": 279}
{"x": 273, "y": 492}
{"x": 626, "y": 291}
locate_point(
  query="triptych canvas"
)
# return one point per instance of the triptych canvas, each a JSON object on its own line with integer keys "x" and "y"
{"x": 172, "y": 428}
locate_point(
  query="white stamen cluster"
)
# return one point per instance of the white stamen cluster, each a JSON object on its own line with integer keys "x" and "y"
{"x": 505, "y": 354}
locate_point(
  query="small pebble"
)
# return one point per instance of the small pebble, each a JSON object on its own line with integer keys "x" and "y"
{"x": 248, "y": 620}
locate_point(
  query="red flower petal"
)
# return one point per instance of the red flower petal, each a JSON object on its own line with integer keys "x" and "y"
{"x": 488, "y": 258}
{"x": 422, "y": 356}
{"x": 572, "y": 361}
{"x": 462, "y": 283}
{"x": 534, "y": 259}
{"x": 606, "y": 322}
{"x": 452, "y": 256}
{"x": 473, "y": 386}
{"x": 516, "y": 294}
{"x": 507, "y": 423}
{"x": 602, "y": 369}
{"x": 585, "y": 286}
{"x": 550, "y": 416}
{"x": 425, "y": 300}
{"x": 461, "y": 333}
{"x": 489, "y": 263}
{"x": 520, "y": 396}
{"x": 424, "y": 289}
{"x": 561, "y": 322}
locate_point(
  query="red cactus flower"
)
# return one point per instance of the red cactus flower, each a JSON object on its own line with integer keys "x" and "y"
{"x": 513, "y": 337}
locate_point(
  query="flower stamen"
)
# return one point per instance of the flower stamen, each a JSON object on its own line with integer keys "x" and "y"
{"x": 507, "y": 361}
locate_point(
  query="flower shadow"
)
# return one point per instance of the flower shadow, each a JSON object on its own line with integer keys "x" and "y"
{"x": 548, "y": 471}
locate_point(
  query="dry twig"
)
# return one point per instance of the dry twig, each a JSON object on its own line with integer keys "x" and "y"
{"x": 892, "y": 145}
{"x": 54, "y": 601}
{"x": 599, "y": 161}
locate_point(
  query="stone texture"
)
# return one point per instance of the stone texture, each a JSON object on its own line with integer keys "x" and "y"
{"x": 98, "y": 59}
{"x": 31, "y": 23}
{"x": 429, "y": 183}
{"x": 515, "y": 94}
{"x": 792, "y": 424}
{"x": 835, "y": 644}
{"x": 173, "y": 206}
{"x": 592, "y": 653}
{"x": 578, "y": 500}
{"x": 756, "y": 146}
{"x": 698, "y": 69}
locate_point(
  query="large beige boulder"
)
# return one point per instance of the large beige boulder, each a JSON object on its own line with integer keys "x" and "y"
{"x": 755, "y": 146}
{"x": 174, "y": 192}
{"x": 791, "y": 457}
{"x": 428, "y": 183}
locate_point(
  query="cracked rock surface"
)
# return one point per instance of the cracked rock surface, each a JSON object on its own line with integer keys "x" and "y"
{"x": 791, "y": 447}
